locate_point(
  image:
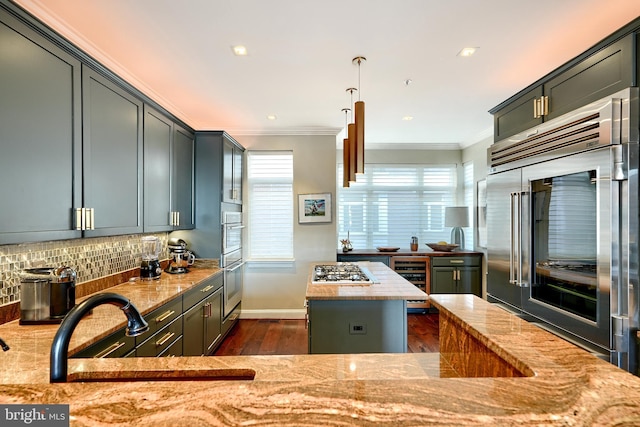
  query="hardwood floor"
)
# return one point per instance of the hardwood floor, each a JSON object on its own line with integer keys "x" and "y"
{"x": 268, "y": 337}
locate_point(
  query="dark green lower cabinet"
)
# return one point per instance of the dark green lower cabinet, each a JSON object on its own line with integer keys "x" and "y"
{"x": 202, "y": 325}
{"x": 456, "y": 275}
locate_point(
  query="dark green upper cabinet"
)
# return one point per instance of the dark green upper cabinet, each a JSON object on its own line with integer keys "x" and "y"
{"x": 112, "y": 156}
{"x": 168, "y": 174}
{"x": 232, "y": 173}
{"x": 158, "y": 133}
{"x": 40, "y": 136}
{"x": 182, "y": 179}
{"x": 603, "y": 71}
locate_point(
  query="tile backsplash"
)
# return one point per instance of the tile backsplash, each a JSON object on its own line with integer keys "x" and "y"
{"x": 92, "y": 258}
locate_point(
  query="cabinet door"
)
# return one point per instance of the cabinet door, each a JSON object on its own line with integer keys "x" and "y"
{"x": 112, "y": 156}
{"x": 443, "y": 280}
{"x": 517, "y": 116}
{"x": 237, "y": 173}
{"x": 40, "y": 136}
{"x": 193, "y": 331}
{"x": 227, "y": 172}
{"x": 157, "y": 171}
{"x": 603, "y": 73}
{"x": 470, "y": 281}
{"x": 213, "y": 320}
{"x": 182, "y": 178}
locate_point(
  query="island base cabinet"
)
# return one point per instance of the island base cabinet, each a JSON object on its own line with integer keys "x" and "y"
{"x": 357, "y": 326}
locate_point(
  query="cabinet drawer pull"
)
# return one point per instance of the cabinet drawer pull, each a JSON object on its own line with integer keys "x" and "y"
{"x": 107, "y": 351}
{"x": 207, "y": 289}
{"x": 162, "y": 341}
{"x": 164, "y": 316}
{"x": 456, "y": 261}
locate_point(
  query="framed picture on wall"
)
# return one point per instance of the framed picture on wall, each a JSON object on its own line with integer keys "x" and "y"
{"x": 314, "y": 208}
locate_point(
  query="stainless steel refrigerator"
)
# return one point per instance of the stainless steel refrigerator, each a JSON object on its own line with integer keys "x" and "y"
{"x": 562, "y": 226}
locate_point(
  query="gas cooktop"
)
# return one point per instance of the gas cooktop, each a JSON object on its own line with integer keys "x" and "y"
{"x": 342, "y": 273}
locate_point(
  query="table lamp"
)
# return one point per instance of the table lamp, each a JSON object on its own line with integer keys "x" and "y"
{"x": 456, "y": 217}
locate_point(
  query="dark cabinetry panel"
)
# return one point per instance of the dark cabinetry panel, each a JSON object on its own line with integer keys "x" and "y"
{"x": 202, "y": 320}
{"x": 182, "y": 183}
{"x": 214, "y": 183}
{"x": 158, "y": 130}
{"x": 40, "y": 136}
{"x": 456, "y": 275}
{"x": 608, "y": 69}
{"x": 231, "y": 172}
{"x": 112, "y": 156}
{"x": 168, "y": 174}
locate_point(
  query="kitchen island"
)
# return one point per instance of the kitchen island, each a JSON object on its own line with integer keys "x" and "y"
{"x": 494, "y": 369}
{"x": 360, "y": 317}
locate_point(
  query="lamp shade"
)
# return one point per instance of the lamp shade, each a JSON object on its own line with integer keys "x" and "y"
{"x": 456, "y": 216}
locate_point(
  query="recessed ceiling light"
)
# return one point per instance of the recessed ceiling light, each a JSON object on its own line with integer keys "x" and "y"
{"x": 407, "y": 118}
{"x": 272, "y": 117}
{"x": 239, "y": 50}
{"x": 467, "y": 51}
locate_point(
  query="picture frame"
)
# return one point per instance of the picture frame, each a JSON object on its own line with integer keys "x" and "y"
{"x": 314, "y": 208}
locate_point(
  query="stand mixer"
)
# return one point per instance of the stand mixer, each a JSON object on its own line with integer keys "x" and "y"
{"x": 179, "y": 257}
{"x": 150, "y": 266}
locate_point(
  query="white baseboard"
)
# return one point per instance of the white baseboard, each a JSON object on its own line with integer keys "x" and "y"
{"x": 273, "y": 314}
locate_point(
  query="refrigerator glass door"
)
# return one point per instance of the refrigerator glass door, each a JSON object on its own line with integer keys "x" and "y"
{"x": 573, "y": 243}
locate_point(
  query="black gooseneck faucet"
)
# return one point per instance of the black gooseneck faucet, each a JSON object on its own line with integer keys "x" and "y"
{"x": 136, "y": 325}
{"x": 3, "y": 345}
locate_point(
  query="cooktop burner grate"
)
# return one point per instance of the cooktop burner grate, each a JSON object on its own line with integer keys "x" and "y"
{"x": 341, "y": 273}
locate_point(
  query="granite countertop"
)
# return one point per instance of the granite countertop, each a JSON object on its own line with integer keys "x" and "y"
{"x": 30, "y": 344}
{"x": 558, "y": 384}
{"x": 388, "y": 286}
{"x": 422, "y": 251}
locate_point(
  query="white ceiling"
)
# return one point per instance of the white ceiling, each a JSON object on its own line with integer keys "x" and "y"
{"x": 300, "y": 51}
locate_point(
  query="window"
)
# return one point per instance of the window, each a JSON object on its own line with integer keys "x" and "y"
{"x": 270, "y": 186}
{"x": 391, "y": 203}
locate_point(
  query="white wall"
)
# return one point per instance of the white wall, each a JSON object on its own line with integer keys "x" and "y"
{"x": 278, "y": 290}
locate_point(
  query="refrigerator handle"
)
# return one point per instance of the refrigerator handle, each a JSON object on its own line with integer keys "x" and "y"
{"x": 513, "y": 232}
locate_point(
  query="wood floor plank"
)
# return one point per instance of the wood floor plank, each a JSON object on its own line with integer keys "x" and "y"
{"x": 286, "y": 336}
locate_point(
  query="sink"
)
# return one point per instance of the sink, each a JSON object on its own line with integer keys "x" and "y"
{"x": 231, "y": 374}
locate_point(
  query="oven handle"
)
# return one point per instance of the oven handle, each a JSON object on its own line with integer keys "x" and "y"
{"x": 231, "y": 270}
{"x": 234, "y": 227}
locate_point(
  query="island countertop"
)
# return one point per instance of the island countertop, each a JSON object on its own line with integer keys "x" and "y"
{"x": 558, "y": 385}
{"x": 389, "y": 285}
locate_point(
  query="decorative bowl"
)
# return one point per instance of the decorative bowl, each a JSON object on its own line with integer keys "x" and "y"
{"x": 442, "y": 248}
{"x": 387, "y": 248}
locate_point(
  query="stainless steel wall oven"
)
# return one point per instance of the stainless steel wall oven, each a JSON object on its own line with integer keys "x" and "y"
{"x": 231, "y": 259}
{"x": 562, "y": 222}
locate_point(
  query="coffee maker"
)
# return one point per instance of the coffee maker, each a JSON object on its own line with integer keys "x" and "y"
{"x": 150, "y": 266}
{"x": 179, "y": 257}
{"x": 46, "y": 294}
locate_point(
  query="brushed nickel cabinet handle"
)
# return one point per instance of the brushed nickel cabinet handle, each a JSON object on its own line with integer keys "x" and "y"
{"x": 206, "y": 289}
{"x": 79, "y": 218}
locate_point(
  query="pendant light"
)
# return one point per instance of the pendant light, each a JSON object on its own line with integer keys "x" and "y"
{"x": 351, "y": 135}
{"x": 359, "y": 122}
{"x": 346, "y": 152}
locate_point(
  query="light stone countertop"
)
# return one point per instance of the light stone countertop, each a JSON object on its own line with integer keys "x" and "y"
{"x": 389, "y": 286}
{"x": 562, "y": 385}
